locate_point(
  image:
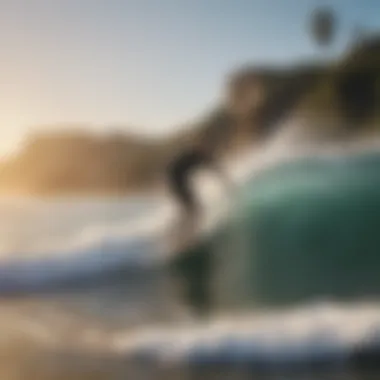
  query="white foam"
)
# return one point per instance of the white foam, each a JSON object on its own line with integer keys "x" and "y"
{"x": 329, "y": 331}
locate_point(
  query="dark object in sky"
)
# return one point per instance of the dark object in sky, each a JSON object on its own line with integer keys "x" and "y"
{"x": 323, "y": 26}
{"x": 357, "y": 96}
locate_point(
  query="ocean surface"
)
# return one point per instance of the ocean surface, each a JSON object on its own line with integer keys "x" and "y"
{"x": 83, "y": 296}
{"x": 92, "y": 329}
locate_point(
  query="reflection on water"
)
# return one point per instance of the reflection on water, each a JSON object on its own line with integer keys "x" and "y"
{"x": 88, "y": 336}
{"x": 68, "y": 334}
{"x": 33, "y": 328}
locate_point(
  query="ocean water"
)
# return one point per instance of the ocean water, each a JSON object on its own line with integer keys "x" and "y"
{"x": 83, "y": 296}
{"x": 124, "y": 320}
{"x": 72, "y": 271}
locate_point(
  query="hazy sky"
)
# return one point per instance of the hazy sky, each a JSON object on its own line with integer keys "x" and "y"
{"x": 148, "y": 65}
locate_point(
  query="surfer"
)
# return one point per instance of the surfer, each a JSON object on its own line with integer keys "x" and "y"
{"x": 245, "y": 103}
{"x": 179, "y": 172}
{"x": 203, "y": 154}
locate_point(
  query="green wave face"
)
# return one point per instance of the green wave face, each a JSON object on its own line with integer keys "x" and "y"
{"x": 302, "y": 230}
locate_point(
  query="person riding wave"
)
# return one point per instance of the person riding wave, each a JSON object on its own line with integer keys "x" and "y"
{"x": 356, "y": 93}
{"x": 203, "y": 154}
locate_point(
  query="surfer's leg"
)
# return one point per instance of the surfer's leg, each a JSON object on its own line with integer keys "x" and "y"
{"x": 189, "y": 217}
{"x": 191, "y": 273}
{"x": 188, "y": 208}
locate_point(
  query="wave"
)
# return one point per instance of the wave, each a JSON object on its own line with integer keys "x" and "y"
{"x": 99, "y": 250}
{"x": 333, "y": 334}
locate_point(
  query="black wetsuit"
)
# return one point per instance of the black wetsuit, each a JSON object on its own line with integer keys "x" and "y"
{"x": 193, "y": 267}
{"x": 179, "y": 173}
{"x": 216, "y": 133}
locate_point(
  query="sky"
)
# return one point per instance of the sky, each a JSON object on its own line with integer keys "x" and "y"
{"x": 148, "y": 66}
